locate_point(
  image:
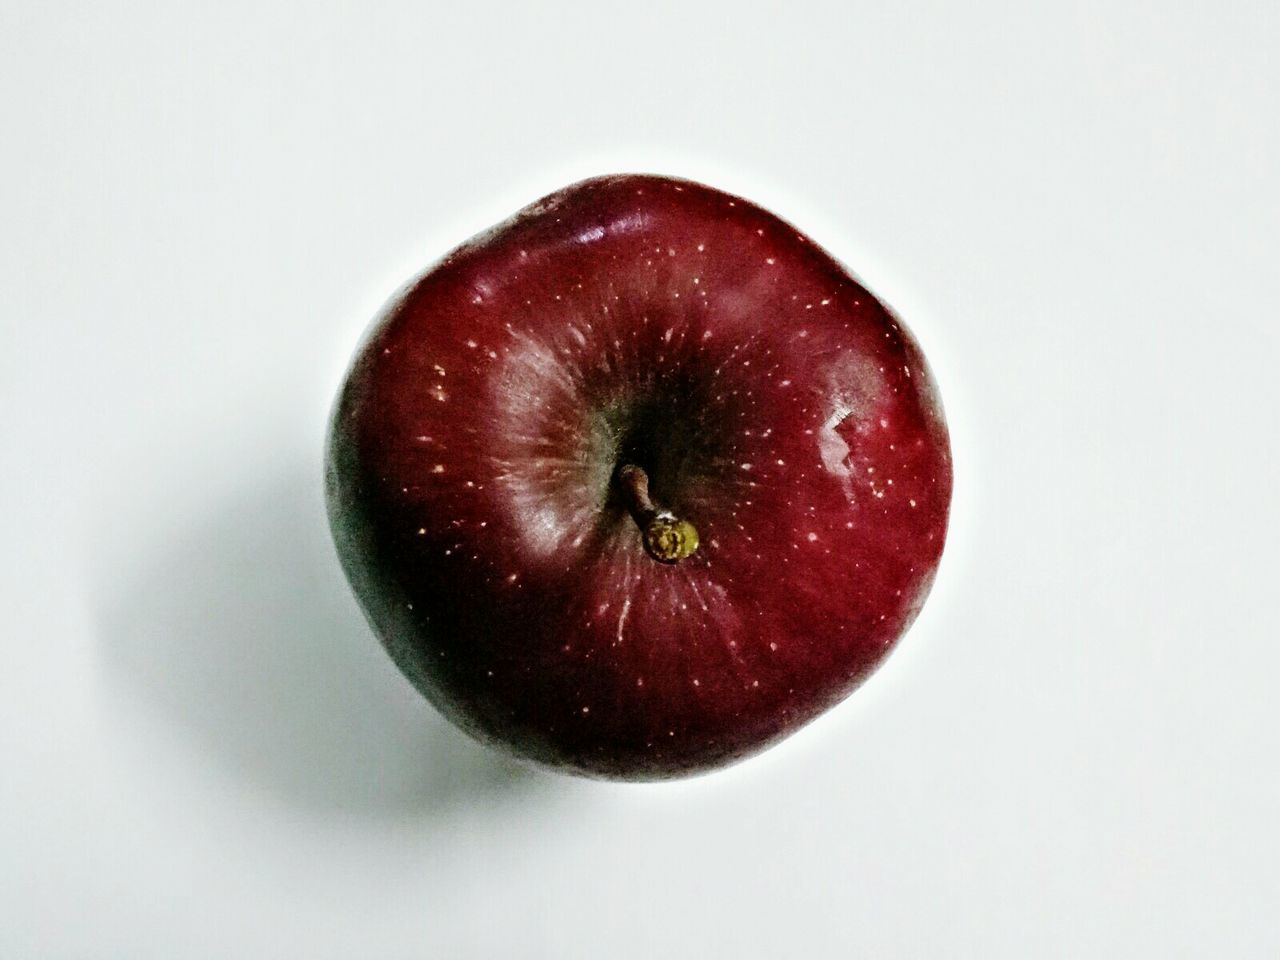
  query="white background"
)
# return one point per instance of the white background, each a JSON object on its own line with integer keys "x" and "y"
{"x": 1076, "y": 751}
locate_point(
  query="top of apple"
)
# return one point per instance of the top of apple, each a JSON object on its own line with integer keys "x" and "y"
{"x": 639, "y": 480}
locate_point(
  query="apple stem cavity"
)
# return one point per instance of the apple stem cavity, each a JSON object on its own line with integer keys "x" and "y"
{"x": 667, "y": 538}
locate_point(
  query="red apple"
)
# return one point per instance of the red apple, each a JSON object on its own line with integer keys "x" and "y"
{"x": 639, "y": 481}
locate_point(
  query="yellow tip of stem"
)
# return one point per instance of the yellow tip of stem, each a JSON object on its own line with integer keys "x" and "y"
{"x": 669, "y": 540}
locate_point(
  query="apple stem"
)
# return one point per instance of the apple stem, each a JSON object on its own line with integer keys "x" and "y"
{"x": 635, "y": 484}
{"x": 667, "y": 538}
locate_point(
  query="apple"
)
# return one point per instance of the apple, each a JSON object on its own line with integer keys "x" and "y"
{"x": 639, "y": 481}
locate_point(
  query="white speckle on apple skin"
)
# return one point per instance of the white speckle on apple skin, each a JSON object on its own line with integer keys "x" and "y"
{"x": 622, "y": 617}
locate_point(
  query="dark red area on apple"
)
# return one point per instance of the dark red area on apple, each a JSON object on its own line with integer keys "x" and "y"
{"x": 772, "y": 402}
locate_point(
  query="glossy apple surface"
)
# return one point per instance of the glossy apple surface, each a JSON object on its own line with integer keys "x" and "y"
{"x": 767, "y": 398}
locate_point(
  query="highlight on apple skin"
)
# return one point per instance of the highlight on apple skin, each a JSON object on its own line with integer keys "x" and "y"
{"x": 640, "y": 481}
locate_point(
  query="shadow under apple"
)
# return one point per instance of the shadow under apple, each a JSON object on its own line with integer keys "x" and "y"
{"x": 244, "y": 632}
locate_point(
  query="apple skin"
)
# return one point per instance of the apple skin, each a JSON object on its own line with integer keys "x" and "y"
{"x": 773, "y": 402}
